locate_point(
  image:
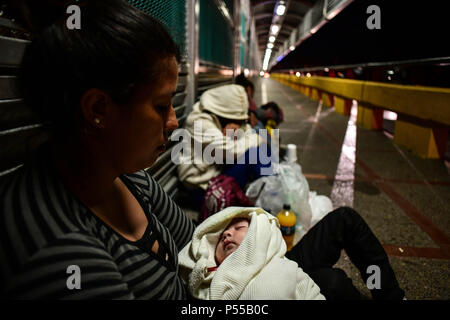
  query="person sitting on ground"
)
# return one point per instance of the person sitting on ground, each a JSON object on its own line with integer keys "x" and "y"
{"x": 219, "y": 110}
{"x": 269, "y": 114}
{"x": 221, "y": 262}
{"x": 238, "y": 254}
{"x": 249, "y": 87}
{"x": 84, "y": 207}
{"x": 273, "y": 112}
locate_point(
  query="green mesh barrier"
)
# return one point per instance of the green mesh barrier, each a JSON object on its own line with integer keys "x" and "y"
{"x": 243, "y": 50}
{"x": 216, "y": 35}
{"x": 172, "y": 13}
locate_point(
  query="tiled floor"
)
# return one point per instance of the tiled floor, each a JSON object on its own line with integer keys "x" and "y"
{"x": 405, "y": 199}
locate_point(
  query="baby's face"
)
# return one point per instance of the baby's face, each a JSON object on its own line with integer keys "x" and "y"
{"x": 231, "y": 238}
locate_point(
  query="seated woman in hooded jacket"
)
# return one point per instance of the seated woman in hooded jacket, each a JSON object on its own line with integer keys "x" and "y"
{"x": 221, "y": 142}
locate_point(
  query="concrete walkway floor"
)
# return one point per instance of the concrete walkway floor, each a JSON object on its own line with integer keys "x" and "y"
{"x": 403, "y": 198}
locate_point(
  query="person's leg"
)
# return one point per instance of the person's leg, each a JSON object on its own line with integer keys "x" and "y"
{"x": 345, "y": 229}
{"x": 334, "y": 284}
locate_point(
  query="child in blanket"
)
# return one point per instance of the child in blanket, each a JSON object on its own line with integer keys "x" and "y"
{"x": 238, "y": 254}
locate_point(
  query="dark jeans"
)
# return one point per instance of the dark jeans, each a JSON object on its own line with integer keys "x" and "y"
{"x": 243, "y": 173}
{"x": 247, "y": 172}
{"x": 320, "y": 249}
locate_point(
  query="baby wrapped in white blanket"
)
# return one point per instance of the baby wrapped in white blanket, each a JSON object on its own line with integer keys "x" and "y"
{"x": 254, "y": 269}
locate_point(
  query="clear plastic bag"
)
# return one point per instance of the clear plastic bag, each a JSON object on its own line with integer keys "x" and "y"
{"x": 296, "y": 191}
{"x": 320, "y": 206}
{"x": 267, "y": 193}
{"x": 286, "y": 186}
{"x": 289, "y": 186}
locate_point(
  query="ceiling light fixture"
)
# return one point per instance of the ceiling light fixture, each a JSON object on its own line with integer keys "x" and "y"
{"x": 274, "y": 28}
{"x": 281, "y": 9}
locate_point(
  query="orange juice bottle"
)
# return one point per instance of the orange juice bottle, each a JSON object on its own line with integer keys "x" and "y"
{"x": 287, "y": 221}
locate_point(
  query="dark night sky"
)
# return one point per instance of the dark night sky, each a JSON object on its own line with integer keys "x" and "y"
{"x": 409, "y": 30}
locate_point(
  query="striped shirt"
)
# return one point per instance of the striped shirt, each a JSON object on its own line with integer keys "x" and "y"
{"x": 45, "y": 231}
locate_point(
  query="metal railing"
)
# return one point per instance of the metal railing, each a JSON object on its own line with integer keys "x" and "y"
{"x": 429, "y": 104}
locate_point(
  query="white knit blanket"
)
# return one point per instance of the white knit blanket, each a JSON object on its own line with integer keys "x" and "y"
{"x": 256, "y": 270}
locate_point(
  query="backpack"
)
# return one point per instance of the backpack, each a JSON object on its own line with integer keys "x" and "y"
{"x": 223, "y": 191}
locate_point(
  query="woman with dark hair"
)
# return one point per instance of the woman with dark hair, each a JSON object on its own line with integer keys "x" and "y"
{"x": 83, "y": 219}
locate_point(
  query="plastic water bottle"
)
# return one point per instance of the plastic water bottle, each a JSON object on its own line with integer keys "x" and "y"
{"x": 291, "y": 153}
{"x": 287, "y": 221}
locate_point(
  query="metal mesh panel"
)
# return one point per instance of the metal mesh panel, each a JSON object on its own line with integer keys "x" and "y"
{"x": 306, "y": 25}
{"x": 317, "y": 13}
{"x": 333, "y": 4}
{"x": 171, "y": 13}
{"x": 244, "y": 44}
{"x": 216, "y": 36}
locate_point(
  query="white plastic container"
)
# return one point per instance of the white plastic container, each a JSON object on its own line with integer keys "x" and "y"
{"x": 291, "y": 153}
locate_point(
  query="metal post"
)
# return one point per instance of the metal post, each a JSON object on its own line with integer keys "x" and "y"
{"x": 237, "y": 38}
{"x": 192, "y": 30}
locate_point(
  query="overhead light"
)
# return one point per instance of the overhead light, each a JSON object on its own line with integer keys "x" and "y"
{"x": 246, "y": 72}
{"x": 308, "y": 74}
{"x": 274, "y": 29}
{"x": 266, "y": 59}
{"x": 271, "y": 39}
{"x": 270, "y": 45}
{"x": 326, "y": 69}
{"x": 390, "y": 72}
{"x": 292, "y": 48}
{"x": 261, "y": 74}
{"x": 297, "y": 74}
{"x": 281, "y": 9}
